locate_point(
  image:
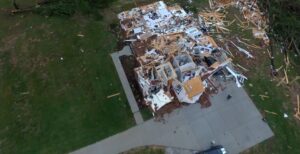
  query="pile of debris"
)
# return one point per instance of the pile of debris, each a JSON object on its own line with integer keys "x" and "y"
{"x": 178, "y": 60}
{"x": 213, "y": 20}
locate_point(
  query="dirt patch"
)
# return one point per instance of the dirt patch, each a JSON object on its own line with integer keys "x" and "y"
{"x": 129, "y": 63}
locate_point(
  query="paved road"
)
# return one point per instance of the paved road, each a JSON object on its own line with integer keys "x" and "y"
{"x": 130, "y": 97}
{"x": 236, "y": 124}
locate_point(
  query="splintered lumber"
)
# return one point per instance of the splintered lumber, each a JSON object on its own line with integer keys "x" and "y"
{"x": 263, "y": 96}
{"x": 287, "y": 60}
{"x": 242, "y": 67}
{"x": 248, "y": 45}
{"x": 238, "y": 19}
{"x": 211, "y": 4}
{"x": 227, "y": 48}
{"x": 298, "y": 110}
{"x": 278, "y": 69}
{"x": 286, "y": 77}
{"x": 280, "y": 82}
{"x": 298, "y": 101}
{"x": 113, "y": 95}
{"x": 294, "y": 80}
{"x": 270, "y": 112}
{"x": 269, "y": 54}
{"x": 297, "y": 116}
{"x": 296, "y": 46}
{"x": 231, "y": 22}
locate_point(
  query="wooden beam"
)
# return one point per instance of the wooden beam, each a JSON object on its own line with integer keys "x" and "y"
{"x": 270, "y": 112}
{"x": 280, "y": 82}
{"x": 298, "y": 103}
{"x": 113, "y": 95}
{"x": 294, "y": 80}
{"x": 286, "y": 77}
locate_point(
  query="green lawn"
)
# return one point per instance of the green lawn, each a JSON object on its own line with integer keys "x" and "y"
{"x": 49, "y": 105}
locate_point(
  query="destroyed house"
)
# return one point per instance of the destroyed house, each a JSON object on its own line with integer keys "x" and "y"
{"x": 177, "y": 59}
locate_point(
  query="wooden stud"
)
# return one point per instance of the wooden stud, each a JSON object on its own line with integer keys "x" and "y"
{"x": 113, "y": 95}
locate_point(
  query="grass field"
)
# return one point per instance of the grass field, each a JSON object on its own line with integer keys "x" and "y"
{"x": 54, "y": 84}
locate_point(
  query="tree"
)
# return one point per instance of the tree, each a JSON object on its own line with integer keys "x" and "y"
{"x": 63, "y": 7}
{"x": 284, "y": 25}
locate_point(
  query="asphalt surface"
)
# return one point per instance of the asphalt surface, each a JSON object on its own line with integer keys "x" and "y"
{"x": 235, "y": 123}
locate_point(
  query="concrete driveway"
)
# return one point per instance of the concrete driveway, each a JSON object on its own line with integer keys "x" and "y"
{"x": 236, "y": 124}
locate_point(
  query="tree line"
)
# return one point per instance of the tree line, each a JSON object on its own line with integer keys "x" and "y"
{"x": 284, "y": 23}
{"x": 62, "y": 7}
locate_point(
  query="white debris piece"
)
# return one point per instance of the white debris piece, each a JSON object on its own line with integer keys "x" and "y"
{"x": 158, "y": 100}
{"x": 239, "y": 78}
{"x": 243, "y": 50}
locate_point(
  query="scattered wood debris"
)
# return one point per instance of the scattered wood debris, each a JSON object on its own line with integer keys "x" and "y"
{"x": 251, "y": 13}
